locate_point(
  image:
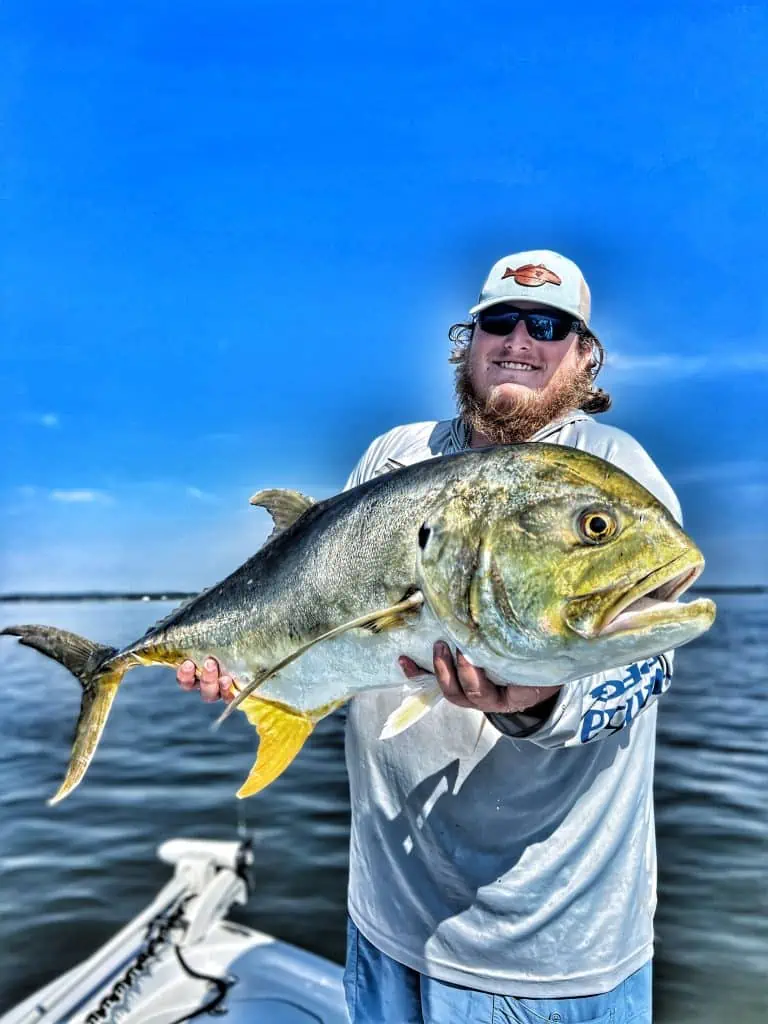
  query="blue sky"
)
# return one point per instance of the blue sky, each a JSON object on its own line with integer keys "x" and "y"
{"x": 235, "y": 234}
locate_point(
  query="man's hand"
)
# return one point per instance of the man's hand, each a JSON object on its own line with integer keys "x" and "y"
{"x": 469, "y": 687}
{"x": 209, "y": 682}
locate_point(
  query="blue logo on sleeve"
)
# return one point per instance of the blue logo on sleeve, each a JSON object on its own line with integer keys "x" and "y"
{"x": 616, "y": 702}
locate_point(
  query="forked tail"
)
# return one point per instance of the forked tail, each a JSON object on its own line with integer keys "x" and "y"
{"x": 88, "y": 662}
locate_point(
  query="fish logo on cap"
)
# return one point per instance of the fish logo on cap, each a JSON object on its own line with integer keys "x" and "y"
{"x": 532, "y": 276}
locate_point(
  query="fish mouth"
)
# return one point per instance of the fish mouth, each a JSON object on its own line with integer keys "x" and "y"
{"x": 652, "y": 601}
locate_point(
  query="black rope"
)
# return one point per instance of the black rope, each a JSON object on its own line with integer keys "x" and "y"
{"x": 223, "y": 985}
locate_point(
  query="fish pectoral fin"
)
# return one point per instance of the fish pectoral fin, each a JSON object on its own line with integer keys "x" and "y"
{"x": 410, "y": 604}
{"x": 412, "y": 709}
{"x": 282, "y": 734}
{"x": 395, "y": 617}
{"x": 283, "y": 505}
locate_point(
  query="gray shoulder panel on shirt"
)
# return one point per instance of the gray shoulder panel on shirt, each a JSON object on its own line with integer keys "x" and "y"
{"x": 402, "y": 446}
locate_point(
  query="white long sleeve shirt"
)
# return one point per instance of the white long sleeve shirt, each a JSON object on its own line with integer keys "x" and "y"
{"x": 523, "y": 862}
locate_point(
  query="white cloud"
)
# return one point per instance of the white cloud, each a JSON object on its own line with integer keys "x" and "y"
{"x": 198, "y": 495}
{"x": 746, "y": 471}
{"x": 672, "y": 365}
{"x": 742, "y": 487}
{"x": 146, "y": 542}
{"x": 83, "y": 496}
{"x": 51, "y": 420}
{"x": 119, "y": 556}
{"x": 734, "y": 559}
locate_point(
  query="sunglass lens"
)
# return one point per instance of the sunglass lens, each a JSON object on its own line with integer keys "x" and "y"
{"x": 499, "y": 321}
{"x": 546, "y": 327}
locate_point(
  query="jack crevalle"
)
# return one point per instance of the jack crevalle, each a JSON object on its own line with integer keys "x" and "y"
{"x": 541, "y": 563}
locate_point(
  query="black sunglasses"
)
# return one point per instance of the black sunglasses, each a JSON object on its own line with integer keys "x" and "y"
{"x": 541, "y": 324}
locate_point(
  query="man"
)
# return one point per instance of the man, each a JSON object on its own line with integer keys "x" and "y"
{"x": 509, "y": 877}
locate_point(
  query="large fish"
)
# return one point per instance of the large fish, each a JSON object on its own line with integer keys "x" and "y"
{"x": 541, "y": 563}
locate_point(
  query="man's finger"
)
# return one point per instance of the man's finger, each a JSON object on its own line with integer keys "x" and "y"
{"x": 411, "y": 669}
{"x": 209, "y": 691}
{"x": 209, "y": 681}
{"x": 445, "y": 672}
{"x": 226, "y": 688}
{"x": 477, "y": 687}
{"x": 210, "y": 672}
{"x": 186, "y": 675}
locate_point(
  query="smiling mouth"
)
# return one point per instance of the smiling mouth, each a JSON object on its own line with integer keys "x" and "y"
{"x": 514, "y": 365}
{"x": 652, "y": 601}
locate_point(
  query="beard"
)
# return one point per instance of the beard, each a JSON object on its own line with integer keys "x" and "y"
{"x": 510, "y": 420}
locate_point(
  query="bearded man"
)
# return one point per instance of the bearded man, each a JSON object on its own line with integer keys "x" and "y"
{"x": 506, "y": 874}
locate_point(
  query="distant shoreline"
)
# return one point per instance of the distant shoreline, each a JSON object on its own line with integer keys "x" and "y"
{"x": 182, "y": 595}
{"x": 97, "y": 595}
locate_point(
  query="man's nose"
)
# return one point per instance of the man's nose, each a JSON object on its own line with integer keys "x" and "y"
{"x": 519, "y": 336}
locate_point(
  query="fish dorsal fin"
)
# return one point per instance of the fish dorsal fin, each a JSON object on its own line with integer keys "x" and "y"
{"x": 412, "y": 708}
{"x": 282, "y": 734}
{"x": 394, "y": 615}
{"x": 283, "y": 505}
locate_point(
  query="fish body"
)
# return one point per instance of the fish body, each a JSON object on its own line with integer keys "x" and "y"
{"x": 541, "y": 563}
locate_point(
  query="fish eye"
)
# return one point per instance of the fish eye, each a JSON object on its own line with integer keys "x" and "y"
{"x": 597, "y": 526}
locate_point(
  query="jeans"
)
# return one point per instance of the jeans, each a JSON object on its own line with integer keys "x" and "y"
{"x": 380, "y": 990}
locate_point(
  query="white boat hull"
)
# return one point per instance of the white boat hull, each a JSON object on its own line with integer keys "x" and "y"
{"x": 181, "y": 958}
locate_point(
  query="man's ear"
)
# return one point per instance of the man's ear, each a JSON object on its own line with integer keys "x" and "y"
{"x": 588, "y": 358}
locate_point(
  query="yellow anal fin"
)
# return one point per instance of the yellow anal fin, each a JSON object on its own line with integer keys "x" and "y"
{"x": 408, "y": 606}
{"x": 412, "y": 709}
{"x": 282, "y": 734}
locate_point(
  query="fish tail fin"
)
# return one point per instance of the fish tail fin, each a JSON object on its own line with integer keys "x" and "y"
{"x": 282, "y": 734}
{"x": 86, "y": 661}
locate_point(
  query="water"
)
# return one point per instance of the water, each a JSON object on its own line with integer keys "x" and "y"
{"x": 712, "y": 824}
{"x": 71, "y": 875}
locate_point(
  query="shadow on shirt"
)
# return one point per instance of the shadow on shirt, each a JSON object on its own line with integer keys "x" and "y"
{"x": 520, "y": 823}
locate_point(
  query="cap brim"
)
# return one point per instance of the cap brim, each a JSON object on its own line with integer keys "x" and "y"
{"x": 511, "y": 300}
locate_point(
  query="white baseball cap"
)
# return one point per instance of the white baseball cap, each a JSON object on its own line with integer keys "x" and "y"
{"x": 537, "y": 276}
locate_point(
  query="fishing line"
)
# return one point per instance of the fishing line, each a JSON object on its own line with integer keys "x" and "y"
{"x": 245, "y": 852}
{"x": 242, "y": 822}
